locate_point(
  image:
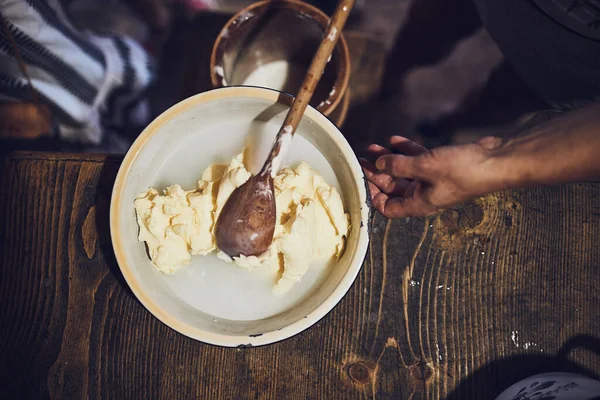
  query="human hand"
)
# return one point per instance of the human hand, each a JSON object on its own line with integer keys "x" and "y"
{"x": 420, "y": 182}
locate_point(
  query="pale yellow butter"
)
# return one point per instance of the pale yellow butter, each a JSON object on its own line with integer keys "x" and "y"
{"x": 311, "y": 221}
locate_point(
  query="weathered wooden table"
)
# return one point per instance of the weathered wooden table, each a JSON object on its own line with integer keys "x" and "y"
{"x": 459, "y": 305}
{"x": 462, "y": 304}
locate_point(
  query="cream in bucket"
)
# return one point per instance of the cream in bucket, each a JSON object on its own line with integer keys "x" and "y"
{"x": 271, "y": 44}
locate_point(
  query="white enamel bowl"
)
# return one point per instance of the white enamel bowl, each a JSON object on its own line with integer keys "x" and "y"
{"x": 211, "y": 301}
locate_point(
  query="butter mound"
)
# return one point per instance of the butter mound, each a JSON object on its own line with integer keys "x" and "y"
{"x": 311, "y": 222}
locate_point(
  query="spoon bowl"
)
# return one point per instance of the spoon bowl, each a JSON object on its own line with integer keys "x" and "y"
{"x": 247, "y": 221}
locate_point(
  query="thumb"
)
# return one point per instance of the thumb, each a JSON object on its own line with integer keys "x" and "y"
{"x": 400, "y": 166}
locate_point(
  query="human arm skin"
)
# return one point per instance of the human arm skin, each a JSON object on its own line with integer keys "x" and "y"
{"x": 419, "y": 182}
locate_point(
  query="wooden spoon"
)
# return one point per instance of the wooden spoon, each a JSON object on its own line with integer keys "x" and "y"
{"x": 247, "y": 221}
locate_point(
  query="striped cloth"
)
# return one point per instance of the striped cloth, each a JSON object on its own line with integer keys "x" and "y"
{"x": 93, "y": 84}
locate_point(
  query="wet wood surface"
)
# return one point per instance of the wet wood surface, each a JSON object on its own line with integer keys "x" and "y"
{"x": 459, "y": 305}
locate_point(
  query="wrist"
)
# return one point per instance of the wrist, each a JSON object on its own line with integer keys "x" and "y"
{"x": 503, "y": 170}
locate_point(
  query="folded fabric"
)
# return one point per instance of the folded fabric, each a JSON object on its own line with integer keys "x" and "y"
{"x": 93, "y": 83}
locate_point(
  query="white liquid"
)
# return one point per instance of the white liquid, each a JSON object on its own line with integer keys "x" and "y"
{"x": 278, "y": 75}
{"x": 223, "y": 290}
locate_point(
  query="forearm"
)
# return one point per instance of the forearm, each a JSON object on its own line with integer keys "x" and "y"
{"x": 564, "y": 149}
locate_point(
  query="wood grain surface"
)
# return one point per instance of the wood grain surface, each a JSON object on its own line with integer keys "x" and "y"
{"x": 459, "y": 305}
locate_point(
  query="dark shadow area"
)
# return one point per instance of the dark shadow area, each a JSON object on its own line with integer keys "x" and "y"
{"x": 104, "y": 189}
{"x": 328, "y": 7}
{"x": 185, "y": 66}
{"x": 430, "y": 32}
{"x": 505, "y": 98}
{"x": 41, "y": 144}
{"x": 492, "y": 379}
{"x": 360, "y": 125}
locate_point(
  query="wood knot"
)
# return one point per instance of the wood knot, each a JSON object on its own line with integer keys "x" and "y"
{"x": 359, "y": 373}
{"x": 462, "y": 219}
{"x": 421, "y": 372}
{"x": 508, "y": 220}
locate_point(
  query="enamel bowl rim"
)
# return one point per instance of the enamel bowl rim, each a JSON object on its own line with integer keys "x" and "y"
{"x": 239, "y": 340}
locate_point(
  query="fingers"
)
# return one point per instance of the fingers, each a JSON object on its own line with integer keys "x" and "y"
{"x": 399, "y": 207}
{"x": 399, "y": 166}
{"x": 397, "y": 199}
{"x": 375, "y": 151}
{"x": 406, "y": 146}
{"x": 394, "y": 179}
{"x": 373, "y": 190}
{"x": 367, "y": 167}
{"x": 400, "y": 144}
{"x": 389, "y": 185}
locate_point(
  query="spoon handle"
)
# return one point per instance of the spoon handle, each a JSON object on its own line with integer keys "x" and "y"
{"x": 311, "y": 79}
